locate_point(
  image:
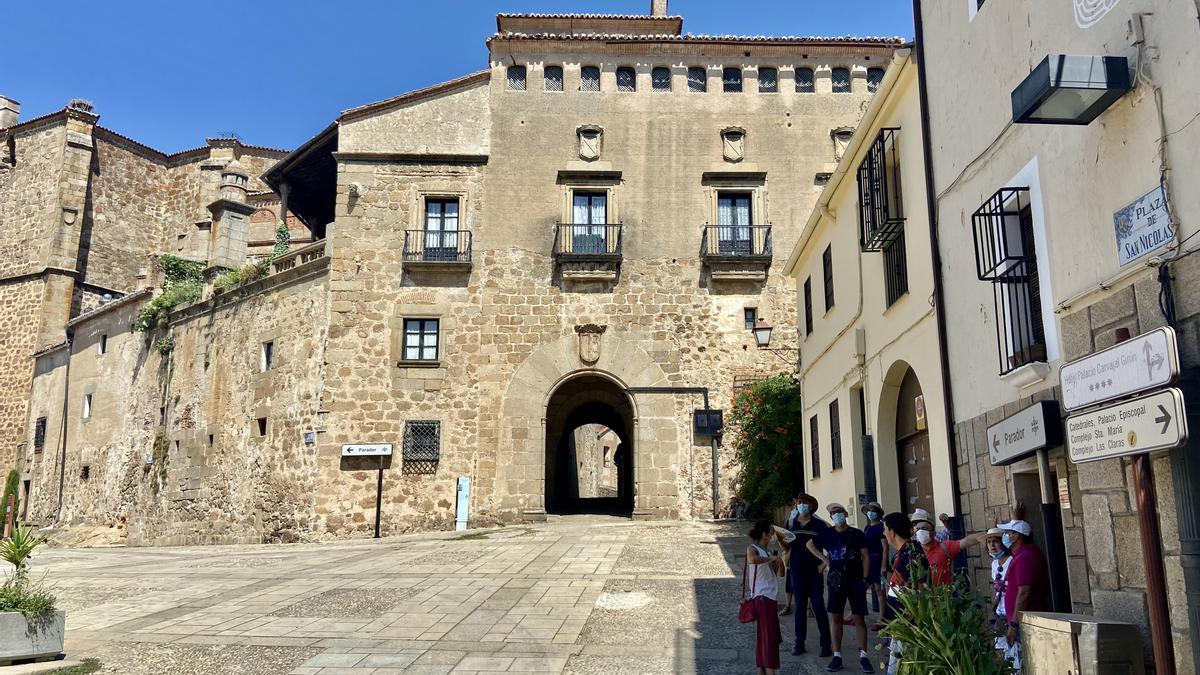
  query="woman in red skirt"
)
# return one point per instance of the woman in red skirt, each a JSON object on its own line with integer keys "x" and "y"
{"x": 763, "y": 568}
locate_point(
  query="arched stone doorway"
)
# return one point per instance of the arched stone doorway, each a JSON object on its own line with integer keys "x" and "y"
{"x": 582, "y": 406}
{"x": 904, "y": 448}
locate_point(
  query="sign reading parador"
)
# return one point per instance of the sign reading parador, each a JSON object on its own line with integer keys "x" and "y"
{"x": 367, "y": 450}
{"x": 1151, "y": 422}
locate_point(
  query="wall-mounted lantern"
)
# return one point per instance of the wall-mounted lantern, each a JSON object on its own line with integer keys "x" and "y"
{"x": 1067, "y": 89}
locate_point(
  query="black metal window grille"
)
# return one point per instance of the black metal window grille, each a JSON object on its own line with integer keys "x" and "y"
{"x": 835, "y": 436}
{"x": 880, "y": 204}
{"x": 895, "y": 270}
{"x": 808, "y": 313}
{"x": 420, "y": 339}
{"x": 589, "y": 78}
{"x": 731, "y": 79}
{"x": 697, "y": 79}
{"x": 1005, "y": 254}
{"x": 422, "y": 447}
{"x": 751, "y": 316}
{"x": 626, "y": 79}
{"x": 39, "y": 434}
{"x": 553, "y": 78}
{"x": 516, "y": 78}
{"x": 660, "y": 79}
{"x": 841, "y": 80}
{"x": 768, "y": 80}
{"x": 814, "y": 446}
{"x": 827, "y": 273}
{"x": 806, "y": 83}
{"x": 874, "y": 79}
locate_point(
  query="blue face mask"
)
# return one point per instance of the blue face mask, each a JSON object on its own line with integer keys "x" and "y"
{"x": 1006, "y": 540}
{"x": 997, "y": 555}
{"x": 802, "y": 509}
{"x": 839, "y": 519}
{"x": 871, "y": 515}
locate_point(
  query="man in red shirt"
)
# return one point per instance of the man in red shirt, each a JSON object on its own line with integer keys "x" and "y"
{"x": 941, "y": 554}
{"x": 1028, "y": 577}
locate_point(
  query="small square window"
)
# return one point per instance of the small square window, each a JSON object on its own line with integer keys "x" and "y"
{"x": 516, "y": 78}
{"x": 268, "y": 356}
{"x": 589, "y": 78}
{"x": 262, "y": 426}
{"x": 626, "y": 79}
{"x": 553, "y": 78}
{"x": 87, "y": 406}
{"x": 85, "y": 472}
{"x": 751, "y": 315}
{"x": 731, "y": 79}
{"x": 39, "y": 434}
{"x": 768, "y": 80}
{"x": 104, "y": 344}
{"x": 421, "y": 340}
{"x": 805, "y": 82}
{"x": 660, "y": 79}
{"x": 697, "y": 79}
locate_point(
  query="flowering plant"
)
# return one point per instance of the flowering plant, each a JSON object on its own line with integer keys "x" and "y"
{"x": 766, "y": 423}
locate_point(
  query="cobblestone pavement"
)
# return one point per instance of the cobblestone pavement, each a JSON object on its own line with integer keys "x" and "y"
{"x": 577, "y": 595}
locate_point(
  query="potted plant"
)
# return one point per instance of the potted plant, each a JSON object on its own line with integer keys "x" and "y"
{"x": 30, "y": 626}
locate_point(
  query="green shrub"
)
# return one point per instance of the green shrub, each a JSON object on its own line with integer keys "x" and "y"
{"x": 184, "y": 283}
{"x": 28, "y": 598}
{"x": 241, "y": 276}
{"x": 283, "y": 241}
{"x": 17, "y": 549}
{"x": 165, "y": 344}
{"x": 766, "y": 419}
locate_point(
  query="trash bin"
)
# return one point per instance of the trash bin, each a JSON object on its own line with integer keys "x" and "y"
{"x": 1078, "y": 644}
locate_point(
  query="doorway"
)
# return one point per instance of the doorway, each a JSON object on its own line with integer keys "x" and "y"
{"x": 912, "y": 448}
{"x": 589, "y": 448}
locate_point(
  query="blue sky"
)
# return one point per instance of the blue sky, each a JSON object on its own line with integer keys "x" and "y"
{"x": 171, "y": 73}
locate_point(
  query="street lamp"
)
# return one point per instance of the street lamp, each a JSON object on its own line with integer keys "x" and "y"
{"x": 762, "y": 333}
{"x": 1067, "y": 89}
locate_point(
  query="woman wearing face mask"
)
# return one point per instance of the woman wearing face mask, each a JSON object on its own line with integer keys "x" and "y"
{"x": 941, "y": 554}
{"x": 873, "y": 533}
{"x": 764, "y": 589}
{"x": 1001, "y": 557}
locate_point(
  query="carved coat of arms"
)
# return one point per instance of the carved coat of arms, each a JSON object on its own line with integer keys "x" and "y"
{"x": 589, "y": 342}
{"x": 733, "y": 144}
{"x": 590, "y": 139}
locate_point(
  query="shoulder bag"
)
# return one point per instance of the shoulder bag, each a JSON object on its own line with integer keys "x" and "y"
{"x": 746, "y": 612}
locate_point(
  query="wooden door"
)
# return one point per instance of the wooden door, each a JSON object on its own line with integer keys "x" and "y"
{"x": 916, "y": 472}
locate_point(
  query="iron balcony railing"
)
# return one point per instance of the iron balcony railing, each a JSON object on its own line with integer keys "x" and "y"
{"x": 880, "y": 204}
{"x": 736, "y": 241}
{"x": 437, "y": 246}
{"x": 587, "y": 242}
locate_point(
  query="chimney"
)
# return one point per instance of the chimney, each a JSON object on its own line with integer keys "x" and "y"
{"x": 658, "y": 7}
{"x": 10, "y": 110}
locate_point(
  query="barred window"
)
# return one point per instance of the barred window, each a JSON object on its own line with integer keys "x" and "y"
{"x": 697, "y": 79}
{"x": 420, "y": 339}
{"x": 553, "y": 78}
{"x": 768, "y": 80}
{"x": 835, "y": 435}
{"x": 626, "y": 79}
{"x": 874, "y": 79}
{"x": 731, "y": 79}
{"x": 589, "y": 78}
{"x": 660, "y": 79}
{"x": 841, "y": 80}
{"x": 813, "y": 434}
{"x": 805, "y": 82}
{"x": 422, "y": 445}
{"x": 39, "y": 434}
{"x": 516, "y": 78}
{"x": 895, "y": 270}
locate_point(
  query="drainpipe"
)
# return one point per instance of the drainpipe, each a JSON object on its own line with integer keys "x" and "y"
{"x": 956, "y": 524}
{"x": 62, "y": 441}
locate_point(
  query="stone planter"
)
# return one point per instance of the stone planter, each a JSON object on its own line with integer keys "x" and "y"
{"x": 37, "y": 638}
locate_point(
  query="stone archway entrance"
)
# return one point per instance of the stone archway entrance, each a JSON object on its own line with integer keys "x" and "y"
{"x": 589, "y": 434}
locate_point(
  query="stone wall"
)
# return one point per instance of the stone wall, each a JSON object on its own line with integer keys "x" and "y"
{"x": 28, "y": 195}
{"x": 22, "y": 301}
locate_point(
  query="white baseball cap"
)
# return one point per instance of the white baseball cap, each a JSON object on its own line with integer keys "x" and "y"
{"x": 921, "y": 515}
{"x": 1019, "y": 526}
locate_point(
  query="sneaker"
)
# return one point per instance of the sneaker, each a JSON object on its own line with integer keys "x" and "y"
{"x": 866, "y": 664}
{"x": 835, "y": 665}
{"x": 798, "y": 650}
{"x": 826, "y": 652}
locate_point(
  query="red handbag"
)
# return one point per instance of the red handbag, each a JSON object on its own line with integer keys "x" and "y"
{"x": 746, "y": 612}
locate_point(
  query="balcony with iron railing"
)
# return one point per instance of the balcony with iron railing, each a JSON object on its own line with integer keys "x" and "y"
{"x": 736, "y": 252}
{"x": 437, "y": 250}
{"x": 586, "y": 252}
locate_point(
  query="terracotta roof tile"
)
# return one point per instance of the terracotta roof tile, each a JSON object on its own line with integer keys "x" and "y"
{"x": 688, "y": 37}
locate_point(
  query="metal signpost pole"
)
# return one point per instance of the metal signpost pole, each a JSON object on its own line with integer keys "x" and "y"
{"x": 1156, "y": 583}
{"x": 379, "y": 497}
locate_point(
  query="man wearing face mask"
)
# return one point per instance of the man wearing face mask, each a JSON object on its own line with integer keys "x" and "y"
{"x": 1028, "y": 577}
{"x": 873, "y": 533}
{"x": 845, "y": 555}
{"x": 941, "y": 554}
{"x": 1000, "y": 561}
{"x": 805, "y": 571}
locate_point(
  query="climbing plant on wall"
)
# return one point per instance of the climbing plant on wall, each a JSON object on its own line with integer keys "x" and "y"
{"x": 184, "y": 282}
{"x": 766, "y": 421}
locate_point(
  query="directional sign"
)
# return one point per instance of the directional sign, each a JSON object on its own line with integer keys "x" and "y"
{"x": 1151, "y": 422}
{"x": 367, "y": 450}
{"x": 1036, "y": 427}
{"x": 1148, "y": 361}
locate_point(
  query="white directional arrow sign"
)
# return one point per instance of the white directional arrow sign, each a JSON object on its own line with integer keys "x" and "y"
{"x": 1151, "y": 422}
{"x": 1148, "y": 361}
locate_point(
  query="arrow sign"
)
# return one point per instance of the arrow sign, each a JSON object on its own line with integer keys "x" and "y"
{"x": 1036, "y": 427}
{"x": 1132, "y": 427}
{"x": 1163, "y": 419}
{"x": 1148, "y": 361}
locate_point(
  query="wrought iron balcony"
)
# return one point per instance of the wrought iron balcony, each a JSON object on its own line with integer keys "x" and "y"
{"x": 736, "y": 252}
{"x": 588, "y": 252}
{"x": 437, "y": 249}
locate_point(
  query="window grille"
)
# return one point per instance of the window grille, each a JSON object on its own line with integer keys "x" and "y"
{"x": 841, "y": 80}
{"x": 895, "y": 270}
{"x": 697, "y": 79}
{"x": 626, "y": 79}
{"x": 835, "y": 435}
{"x": 660, "y": 79}
{"x": 808, "y": 314}
{"x": 1005, "y": 255}
{"x": 731, "y": 79}
{"x": 827, "y": 272}
{"x": 814, "y": 445}
{"x": 39, "y": 434}
{"x": 768, "y": 80}
{"x": 516, "y": 78}
{"x": 589, "y": 78}
{"x": 880, "y": 206}
{"x": 874, "y": 79}
{"x": 805, "y": 82}
{"x": 421, "y": 448}
{"x": 553, "y": 78}
{"x": 420, "y": 339}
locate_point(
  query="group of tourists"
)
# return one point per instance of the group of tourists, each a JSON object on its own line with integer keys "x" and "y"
{"x": 830, "y": 568}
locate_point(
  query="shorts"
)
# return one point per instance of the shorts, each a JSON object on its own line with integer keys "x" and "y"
{"x": 874, "y": 568}
{"x": 853, "y": 592}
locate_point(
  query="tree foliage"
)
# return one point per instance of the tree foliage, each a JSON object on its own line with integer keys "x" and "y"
{"x": 766, "y": 419}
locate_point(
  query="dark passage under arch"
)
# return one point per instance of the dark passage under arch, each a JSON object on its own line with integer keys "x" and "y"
{"x": 579, "y": 402}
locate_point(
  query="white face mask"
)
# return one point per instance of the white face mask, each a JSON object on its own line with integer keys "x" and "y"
{"x": 922, "y": 537}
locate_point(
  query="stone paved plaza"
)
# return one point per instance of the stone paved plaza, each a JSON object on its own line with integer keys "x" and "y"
{"x": 577, "y": 595}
